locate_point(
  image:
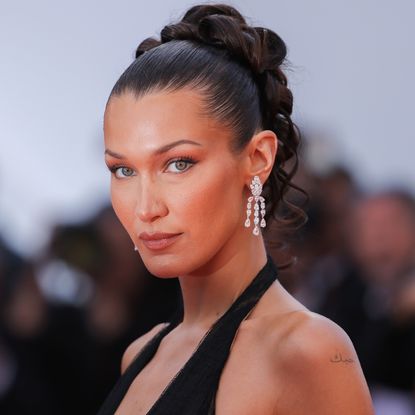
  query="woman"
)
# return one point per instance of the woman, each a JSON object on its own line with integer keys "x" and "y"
{"x": 197, "y": 131}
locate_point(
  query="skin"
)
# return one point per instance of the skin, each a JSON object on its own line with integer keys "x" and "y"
{"x": 293, "y": 365}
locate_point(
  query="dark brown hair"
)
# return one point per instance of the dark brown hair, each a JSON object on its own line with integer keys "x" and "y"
{"x": 237, "y": 69}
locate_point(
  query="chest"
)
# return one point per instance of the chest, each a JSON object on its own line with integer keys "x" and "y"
{"x": 248, "y": 382}
{"x": 245, "y": 386}
{"x": 147, "y": 387}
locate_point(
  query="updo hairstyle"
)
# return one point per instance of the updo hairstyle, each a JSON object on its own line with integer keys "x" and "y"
{"x": 237, "y": 69}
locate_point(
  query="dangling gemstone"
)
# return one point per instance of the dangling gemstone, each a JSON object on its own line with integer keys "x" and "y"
{"x": 247, "y": 223}
{"x": 263, "y": 224}
{"x": 256, "y": 230}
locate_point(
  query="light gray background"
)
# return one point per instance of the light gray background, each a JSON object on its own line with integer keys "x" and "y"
{"x": 352, "y": 75}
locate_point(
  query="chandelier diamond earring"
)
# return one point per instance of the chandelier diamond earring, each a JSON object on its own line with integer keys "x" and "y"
{"x": 256, "y": 190}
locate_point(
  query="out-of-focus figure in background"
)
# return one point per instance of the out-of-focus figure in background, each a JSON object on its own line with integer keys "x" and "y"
{"x": 375, "y": 303}
{"x": 67, "y": 318}
{"x": 357, "y": 266}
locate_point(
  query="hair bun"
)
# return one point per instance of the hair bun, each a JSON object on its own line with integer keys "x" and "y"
{"x": 197, "y": 13}
{"x": 225, "y": 28}
{"x": 146, "y": 45}
{"x": 273, "y": 48}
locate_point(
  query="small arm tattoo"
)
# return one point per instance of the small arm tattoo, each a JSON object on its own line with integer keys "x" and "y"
{"x": 338, "y": 358}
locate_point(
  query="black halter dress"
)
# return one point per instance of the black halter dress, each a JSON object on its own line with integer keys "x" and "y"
{"x": 192, "y": 390}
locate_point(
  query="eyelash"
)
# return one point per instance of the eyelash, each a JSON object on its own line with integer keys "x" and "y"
{"x": 187, "y": 159}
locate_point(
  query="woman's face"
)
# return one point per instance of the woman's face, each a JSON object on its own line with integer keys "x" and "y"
{"x": 173, "y": 172}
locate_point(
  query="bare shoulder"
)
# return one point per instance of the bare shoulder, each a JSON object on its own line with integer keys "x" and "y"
{"x": 137, "y": 345}
{"x": 311, "y": 335}
{"x": 319, "y": 368}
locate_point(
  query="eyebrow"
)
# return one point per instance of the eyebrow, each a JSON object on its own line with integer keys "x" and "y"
{"x": 158, "y": 151}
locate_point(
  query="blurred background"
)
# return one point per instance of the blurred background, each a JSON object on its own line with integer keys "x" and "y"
{"x": 73, "y": 293}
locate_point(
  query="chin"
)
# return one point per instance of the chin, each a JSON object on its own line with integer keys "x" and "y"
{"x": 164, "y": 265}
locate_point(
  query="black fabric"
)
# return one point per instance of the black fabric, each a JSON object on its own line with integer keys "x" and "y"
{"x": 192, "y": 390}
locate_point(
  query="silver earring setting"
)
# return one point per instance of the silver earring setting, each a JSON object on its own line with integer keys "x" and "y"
{"x": 135, "y": 248}
{"x": 256, "y": 190}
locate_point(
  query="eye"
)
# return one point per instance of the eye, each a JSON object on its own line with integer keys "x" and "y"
{"x": 121, "y": 172}
{"x": 181, "y": 164}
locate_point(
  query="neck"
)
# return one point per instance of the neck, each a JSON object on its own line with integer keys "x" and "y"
{"x": 209, "y": 291}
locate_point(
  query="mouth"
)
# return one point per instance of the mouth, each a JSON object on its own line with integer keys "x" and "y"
{"x": 159, "y": 243}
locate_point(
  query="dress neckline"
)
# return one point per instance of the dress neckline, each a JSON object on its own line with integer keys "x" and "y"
{"x": 182, "y": 369}
{"x": 240, "y": 301}
{"x": 193, "y": 388}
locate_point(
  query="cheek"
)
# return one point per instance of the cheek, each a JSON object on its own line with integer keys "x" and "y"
{"x": 213, "y": 205}
{"x": 123, "y": 205}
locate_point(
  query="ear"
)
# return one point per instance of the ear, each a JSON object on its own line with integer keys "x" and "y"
{"x": 261, "y": 153}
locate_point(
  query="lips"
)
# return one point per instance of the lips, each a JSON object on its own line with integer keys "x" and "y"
{"x": 158, "y": 240}
{"x": 156, "y": 235}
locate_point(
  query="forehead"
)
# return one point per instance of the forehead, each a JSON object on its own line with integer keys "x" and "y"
{"x": 159, "y": 117}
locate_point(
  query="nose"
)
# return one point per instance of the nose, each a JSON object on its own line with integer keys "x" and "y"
{"x": 149, "y": 205}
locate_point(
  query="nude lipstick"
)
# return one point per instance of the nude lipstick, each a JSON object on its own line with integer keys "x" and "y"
{"x": 158, "y": 240}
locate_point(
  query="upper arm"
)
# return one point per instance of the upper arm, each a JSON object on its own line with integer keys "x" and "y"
{"x": 322, "y": 373}
{"x": 137, "y": 345}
